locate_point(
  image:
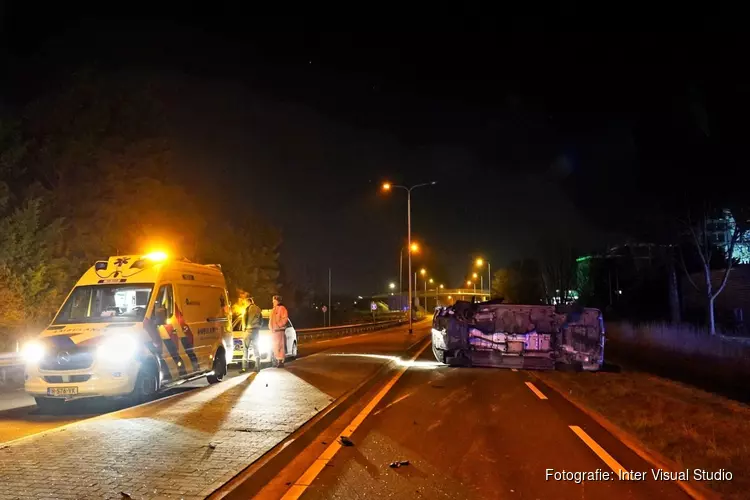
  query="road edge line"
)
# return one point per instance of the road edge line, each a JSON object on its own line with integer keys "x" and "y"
{"x": 697, "y": 492}
{"x": 600, "y": 452}
{"x": 305, "y": 480}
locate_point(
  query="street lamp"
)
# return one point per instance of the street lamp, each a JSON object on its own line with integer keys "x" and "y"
{"x": 392, "y": 286}
{"x": 387, "y": 186}
{"x": 413, "y": 248}
{"x": 479, "y": 263}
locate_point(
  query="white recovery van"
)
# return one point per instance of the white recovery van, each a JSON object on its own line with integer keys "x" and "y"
{"x": 133, "y": 325}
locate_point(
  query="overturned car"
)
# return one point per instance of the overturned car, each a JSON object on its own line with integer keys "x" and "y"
{"x": 537, "y": 337}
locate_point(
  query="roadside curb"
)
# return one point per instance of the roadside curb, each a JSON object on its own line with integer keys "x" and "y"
{"x": 698, "y": 492}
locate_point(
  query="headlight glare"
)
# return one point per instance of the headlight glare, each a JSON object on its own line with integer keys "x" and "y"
{"x": 264, "y": 344}
{"x": 33, "y": 352}
{"x": 117, "y": 348}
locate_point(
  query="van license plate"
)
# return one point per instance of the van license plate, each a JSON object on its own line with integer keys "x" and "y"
{"x": 62, "y": 391}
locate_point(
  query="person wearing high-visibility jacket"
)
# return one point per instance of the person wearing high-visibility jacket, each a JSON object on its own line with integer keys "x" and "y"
{"x": 278, "y": 323}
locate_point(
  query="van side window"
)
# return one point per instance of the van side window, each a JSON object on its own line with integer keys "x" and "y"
{"x": 165, "y": 298}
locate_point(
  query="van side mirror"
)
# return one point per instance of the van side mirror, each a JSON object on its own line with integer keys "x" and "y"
{"x": 160, "y": 314}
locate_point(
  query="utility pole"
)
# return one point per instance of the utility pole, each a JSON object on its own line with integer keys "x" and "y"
{"x": 401, "y": 279}
{"x": 330, "y": 305}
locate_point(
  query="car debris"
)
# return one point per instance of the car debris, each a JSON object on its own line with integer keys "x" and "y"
{"x": 399, "y": 463}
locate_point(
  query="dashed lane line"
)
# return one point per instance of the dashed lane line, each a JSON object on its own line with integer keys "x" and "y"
{"x": 536, "y": 391}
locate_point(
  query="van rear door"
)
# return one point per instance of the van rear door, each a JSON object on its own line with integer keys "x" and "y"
{"x": 204, "y": 316}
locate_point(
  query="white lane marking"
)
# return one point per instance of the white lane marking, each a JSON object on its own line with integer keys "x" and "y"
{"x": 299, "y": 487}
{"x": 536, "y": 391}
{"x": 601, "y": 453}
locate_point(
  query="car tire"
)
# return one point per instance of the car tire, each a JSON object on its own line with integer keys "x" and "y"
{"x": 220, "y": 370}
{"x": 294, "y": 351}
{"x": 146, "y": 385}
{"x": 50, "y": 405}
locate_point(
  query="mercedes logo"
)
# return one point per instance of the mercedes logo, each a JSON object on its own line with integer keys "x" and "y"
{"x": 63, "y": 358}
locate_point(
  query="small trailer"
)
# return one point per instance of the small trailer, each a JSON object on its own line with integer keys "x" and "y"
{"x": 539, "y": 337}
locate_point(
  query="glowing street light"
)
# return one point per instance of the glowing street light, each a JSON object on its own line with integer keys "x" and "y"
{"x": 475, "y": 276}
{"x": 392, "y": 286}
{"x": 423, "y": 271}
{"x": 387, "y": 187}
{"x": 414, "y": 248}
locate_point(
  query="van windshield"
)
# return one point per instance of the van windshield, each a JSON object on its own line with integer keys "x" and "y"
{"x": 105, "y": 304}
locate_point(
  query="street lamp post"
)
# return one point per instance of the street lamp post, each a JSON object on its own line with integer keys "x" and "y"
{"x": 387, "y": 186}
{"x": 479, "y": 263}
{"x": 413, "y": 248}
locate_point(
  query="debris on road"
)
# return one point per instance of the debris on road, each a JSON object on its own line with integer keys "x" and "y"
{"x": 212, "y": 446}
{"x": 346, "y": 441}
{"x": 125, "y": 495}
{"x": 399, "y": 463}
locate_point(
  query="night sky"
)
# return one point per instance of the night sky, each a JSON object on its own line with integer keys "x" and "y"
{"x": 527, "y": 134}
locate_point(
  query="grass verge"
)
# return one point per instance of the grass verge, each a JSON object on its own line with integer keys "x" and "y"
{"x": 693, "y": 428}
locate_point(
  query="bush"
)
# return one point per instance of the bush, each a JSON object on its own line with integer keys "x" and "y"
{"x": 683, "y": 353}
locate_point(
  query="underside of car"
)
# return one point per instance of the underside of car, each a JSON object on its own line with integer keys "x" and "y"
{"x": 541, "y": 337}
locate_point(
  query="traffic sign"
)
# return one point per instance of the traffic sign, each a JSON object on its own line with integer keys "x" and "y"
{"x": 373, "y": 306}
{"x": 324, "y": 309}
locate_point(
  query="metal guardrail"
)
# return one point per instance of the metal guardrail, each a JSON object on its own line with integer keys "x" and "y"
{"x": 11, "y": 367}
{"x": 342, "y": 330}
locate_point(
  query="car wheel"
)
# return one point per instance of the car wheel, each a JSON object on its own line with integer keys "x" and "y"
{"x": 146, "y": 385}
{"x": 50, "y": 405}
{"x": 220, "y": 370}
{"x": 294, "y": 350}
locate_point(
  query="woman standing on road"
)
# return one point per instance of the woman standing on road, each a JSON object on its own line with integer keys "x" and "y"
{"x": 277, "y": 324}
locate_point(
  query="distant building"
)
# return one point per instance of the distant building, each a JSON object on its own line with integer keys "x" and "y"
{"x": 720, "y": 231}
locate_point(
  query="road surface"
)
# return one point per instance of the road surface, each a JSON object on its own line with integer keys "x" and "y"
{"x": 467, "y": 433}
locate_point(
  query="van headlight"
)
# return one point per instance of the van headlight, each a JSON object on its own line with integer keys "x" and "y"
{"x": 33, "y": 351}
{"x": 264, "y": 344}
{"x": 117, "y": 348}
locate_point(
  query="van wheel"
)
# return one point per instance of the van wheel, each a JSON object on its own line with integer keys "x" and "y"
{"x": 50, "y": 405}
{"x": 146, "y": 385}
{"x": 220, "y": 369}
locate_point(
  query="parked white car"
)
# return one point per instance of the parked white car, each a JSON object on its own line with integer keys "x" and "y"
{"x": 265, "y": 343}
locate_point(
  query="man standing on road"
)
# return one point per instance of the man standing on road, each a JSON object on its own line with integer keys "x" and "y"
{"x": 277, "y": 324}
{"x": 252, "y": 332}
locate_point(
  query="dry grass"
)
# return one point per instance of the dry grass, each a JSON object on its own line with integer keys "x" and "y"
{"x": 691, "y": 427}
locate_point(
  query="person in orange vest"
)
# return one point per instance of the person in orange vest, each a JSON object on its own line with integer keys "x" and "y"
{"x": 278, "y": 323}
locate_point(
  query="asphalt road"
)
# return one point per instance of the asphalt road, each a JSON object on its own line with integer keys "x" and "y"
{"x": 475, "y": 433}
{"x": 466, "y": 432}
